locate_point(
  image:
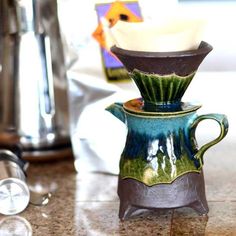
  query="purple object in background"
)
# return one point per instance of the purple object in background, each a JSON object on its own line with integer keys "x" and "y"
{"x": 102, "y": 9}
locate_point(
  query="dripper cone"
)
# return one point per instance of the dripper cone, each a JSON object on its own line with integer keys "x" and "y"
{"x": 162, "y": 77}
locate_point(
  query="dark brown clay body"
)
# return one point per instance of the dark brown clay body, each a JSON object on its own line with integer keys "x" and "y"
{"x": 181, "y": 63}
{"x": 186, "y": 191}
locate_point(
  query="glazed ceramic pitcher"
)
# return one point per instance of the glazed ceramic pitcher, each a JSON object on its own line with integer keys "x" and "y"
{"x": 161, "y": 146}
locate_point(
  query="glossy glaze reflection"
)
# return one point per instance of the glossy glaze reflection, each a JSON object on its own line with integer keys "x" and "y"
{"x": 88, "y": 205}
{"x": 160, "y": 147}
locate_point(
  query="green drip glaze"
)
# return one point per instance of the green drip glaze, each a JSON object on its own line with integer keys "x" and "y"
{"x": 162, "y": 168}
{"x": 144, "y": 172}
{"x": 161, "y": 89}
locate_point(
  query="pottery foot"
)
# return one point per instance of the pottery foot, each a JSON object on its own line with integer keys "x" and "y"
{"x": 186, "y": 191}
{"x": 126, "y": 210}
{"x": 201, "y": 207}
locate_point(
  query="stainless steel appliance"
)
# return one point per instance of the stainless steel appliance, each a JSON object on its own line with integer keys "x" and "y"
{"x": 33, "y": 84}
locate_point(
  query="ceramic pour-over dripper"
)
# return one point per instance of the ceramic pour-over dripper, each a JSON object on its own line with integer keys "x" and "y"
{"x": 162, "y": 77}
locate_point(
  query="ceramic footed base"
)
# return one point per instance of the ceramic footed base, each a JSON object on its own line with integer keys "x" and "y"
{"x": 186, "y": 191}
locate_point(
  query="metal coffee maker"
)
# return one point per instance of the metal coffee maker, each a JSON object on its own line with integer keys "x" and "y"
{"x": 33, "y": 83}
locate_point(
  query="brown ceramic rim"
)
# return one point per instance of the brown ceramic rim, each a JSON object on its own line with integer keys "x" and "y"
{"x": 203, "y": 48}
{"x": 134, "y": 107}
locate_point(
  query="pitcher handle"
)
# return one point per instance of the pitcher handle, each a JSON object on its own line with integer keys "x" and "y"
{"x": 223, "y": 123}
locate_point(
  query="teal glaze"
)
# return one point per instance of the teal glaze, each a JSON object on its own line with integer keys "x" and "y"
{"x": 161, "y": 147}
{"x": 160, "y": 89}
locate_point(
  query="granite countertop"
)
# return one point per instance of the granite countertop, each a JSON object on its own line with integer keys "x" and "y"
{"x": 87, "y": 204}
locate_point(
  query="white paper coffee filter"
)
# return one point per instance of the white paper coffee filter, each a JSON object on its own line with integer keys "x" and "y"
{"x": 171, "y": 35}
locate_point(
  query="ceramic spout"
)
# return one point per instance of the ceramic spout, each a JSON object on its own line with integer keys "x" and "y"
{"x": 117, "y": 110}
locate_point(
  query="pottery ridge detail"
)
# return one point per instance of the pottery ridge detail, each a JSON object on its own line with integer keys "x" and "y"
{"x": 162, "y": 77}
{"x": 161, "y": 89}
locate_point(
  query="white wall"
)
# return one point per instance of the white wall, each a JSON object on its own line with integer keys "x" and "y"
{"x": 220, "y": 33}
{"x": 79, "y": 20}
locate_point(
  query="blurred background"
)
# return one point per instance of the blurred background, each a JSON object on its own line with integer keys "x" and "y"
{"x": 220, "y": 32}
{"x": 213, "y": 86}
{"x": 90, "y": 90}
{"x": 219, "y": 15}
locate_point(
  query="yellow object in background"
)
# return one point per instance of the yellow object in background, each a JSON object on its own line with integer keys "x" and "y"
{"x": 108, "y": 14}
{"x": 117, "y": 11}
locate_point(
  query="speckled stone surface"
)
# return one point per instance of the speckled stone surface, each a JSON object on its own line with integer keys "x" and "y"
{"x": 88, "y": 204}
